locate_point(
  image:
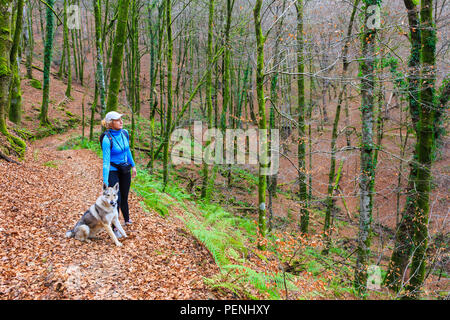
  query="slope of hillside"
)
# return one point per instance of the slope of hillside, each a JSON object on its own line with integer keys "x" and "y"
{"x": 45, "y": 195}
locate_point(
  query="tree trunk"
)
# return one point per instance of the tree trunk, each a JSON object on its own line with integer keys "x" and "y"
{"x": 209, "y": 104}
{"x": 79, "y": 45}
{"x": 334, "y": 135}
{"x": 366, "y": 183}
{"x": 99, "y": 76}
{"x": 424, "y": 146}
{"x": 227, "y": 101}
{"x": 404, "y": 235}
{"x": 16, "y": 144}
{"x": 93, "y": 109}
{"x": 29, "y": 41}
{"x": 301, "y": 148}
{"x": 133, "y": 70}
{"x": 260, "y": 39}
{"x": 5, "y": 68}
{"x": 43, "y": 116}
{"x": 153, "y": 97}
{"x": 67, "y": 50}
{"x": 75, "y": 56}
{"x": 169, "y": 93}
{"x": 15, "y": 92}
{"x": 117, "y": 56}
{"x": 272, "y": 179}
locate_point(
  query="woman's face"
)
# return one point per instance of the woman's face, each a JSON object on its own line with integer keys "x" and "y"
{"x": 117, "y": 124}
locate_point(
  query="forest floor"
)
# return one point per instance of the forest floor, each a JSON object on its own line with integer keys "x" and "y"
{"x": 45, "y": 195}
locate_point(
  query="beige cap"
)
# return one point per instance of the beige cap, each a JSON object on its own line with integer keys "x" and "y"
{"x": 112, "y": 115}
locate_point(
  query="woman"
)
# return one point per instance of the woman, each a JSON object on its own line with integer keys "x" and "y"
{"x": 117, "y": 159}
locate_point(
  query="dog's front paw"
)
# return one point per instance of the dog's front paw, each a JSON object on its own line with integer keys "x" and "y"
{"x": 119, "y": 244}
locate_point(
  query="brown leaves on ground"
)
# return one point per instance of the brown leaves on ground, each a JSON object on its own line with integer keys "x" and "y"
{"x": 44, "y": 197}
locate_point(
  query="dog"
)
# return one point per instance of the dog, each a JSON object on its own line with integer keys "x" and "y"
{"x": 99, "y": 216}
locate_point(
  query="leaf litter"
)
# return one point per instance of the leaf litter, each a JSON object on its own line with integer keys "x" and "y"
{"x": 39, "y": 203}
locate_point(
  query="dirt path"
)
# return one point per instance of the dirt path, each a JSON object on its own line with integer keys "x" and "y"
{"x": 44, "y": 196}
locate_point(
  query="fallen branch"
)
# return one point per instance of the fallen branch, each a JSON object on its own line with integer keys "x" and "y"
{"x": 8, "y": 159}
{"x": 244, "y": 208}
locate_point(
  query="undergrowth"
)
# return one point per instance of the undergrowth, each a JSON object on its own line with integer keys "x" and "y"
{"x": 244, "y": 271}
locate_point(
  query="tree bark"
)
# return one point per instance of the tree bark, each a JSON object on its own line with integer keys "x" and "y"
{"x": 29, "y": 41}
{"x": 366, "y": 177}
{"x": 100, "y": 76}
{"x": 303, "y": 192}
{"x": 15, "y": 92}
{"x": 260, "y": 39}
{"x": 424, "y": 146}
{"x": 404, "y": 235}
{"x": 117, "y": 56}
{"x": 334, "y": 135}
{"x": 43, "y": 116}
{"x": 67, "y": 50}
{"x": 16, "y": 144}
{"x": 209, "y": 104}
{"x": 169, "y": 93}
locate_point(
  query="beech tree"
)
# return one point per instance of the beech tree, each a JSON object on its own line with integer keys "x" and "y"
{"x": 366, "y": 178}
{"x": 332, "y": 181}
{"x": 43, "y": 116}
{"x": 16, "y": 145}
{"x": 424, "y": 145}
{"x": 404, "y": 233}
{"x": 66, "y": 50}
{"x": 117, "y": 56}
{"x": 262, "y": 123}
{"x": 209, "y": 102}
{"x": 303, "y": 192}
{"x": 15, "y": 92}
{"x": 168, "y": 124}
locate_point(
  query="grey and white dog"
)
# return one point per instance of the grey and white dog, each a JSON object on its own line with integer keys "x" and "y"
{"x": 100, "y": 215}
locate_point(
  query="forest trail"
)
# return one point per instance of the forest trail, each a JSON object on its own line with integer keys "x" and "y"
{"x": 45, "y": 195}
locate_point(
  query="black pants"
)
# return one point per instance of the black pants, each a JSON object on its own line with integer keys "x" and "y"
{"x": 124, "y": 180}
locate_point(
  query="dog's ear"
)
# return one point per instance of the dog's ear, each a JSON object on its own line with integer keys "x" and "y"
{"x": 116, "y": 187}
{"x": 104, "y": 186}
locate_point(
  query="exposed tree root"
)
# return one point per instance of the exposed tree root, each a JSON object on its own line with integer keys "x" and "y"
{"x": 6, "y": 158}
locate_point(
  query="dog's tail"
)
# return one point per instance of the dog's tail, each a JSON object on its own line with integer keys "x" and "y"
{"x": 70, "y": 234}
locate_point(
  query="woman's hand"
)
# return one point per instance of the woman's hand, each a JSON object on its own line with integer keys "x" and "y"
{"x": 133, "y": 172}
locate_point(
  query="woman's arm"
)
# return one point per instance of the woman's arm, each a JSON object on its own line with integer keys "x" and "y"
{"x": 106, "y": 148}
{"x": 129, "y": 155}
{"x": 130, "y": 159}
